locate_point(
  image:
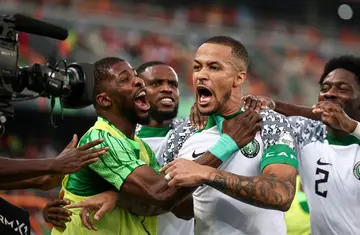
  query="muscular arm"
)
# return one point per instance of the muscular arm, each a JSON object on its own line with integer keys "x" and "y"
{"x": 12, "y": 170}
{"x": 275, "y": 189}
{"x": 185, "y": 209}
{"x": 151, "y": 187}
{"x": 295, "y": 110}
{"x": 46, "y": 182}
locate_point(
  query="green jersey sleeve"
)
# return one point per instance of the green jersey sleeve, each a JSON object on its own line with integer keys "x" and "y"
{"x": 278, "y": 139}
{"x": 118, "y": 163}
{"x": 153, "y": 163}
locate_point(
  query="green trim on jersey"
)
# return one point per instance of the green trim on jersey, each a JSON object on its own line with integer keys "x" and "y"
{"x": 279, "y": 154}
{"x": 342, "y": 141}
{"x": 150, "y": 132}
{"x": 301, "y": 198}
{"x": 214, "y": 118}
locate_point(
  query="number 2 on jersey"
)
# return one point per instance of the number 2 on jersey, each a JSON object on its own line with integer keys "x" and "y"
{"x": 324, "y": 179}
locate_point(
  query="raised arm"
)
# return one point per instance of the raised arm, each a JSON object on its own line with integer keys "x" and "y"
{"x": 281, "y": 107}
{"x": 70, "y": 160}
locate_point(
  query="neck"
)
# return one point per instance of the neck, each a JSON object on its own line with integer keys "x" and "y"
{"x": 156, "y": 124}
{"x": 122, "y": 123}
{"x": 232, "y": 106}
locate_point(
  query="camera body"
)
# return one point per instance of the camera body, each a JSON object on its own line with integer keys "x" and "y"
{"x": 72, "y": 83}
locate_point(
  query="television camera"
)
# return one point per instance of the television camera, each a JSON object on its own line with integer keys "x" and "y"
{"x": 71, "y": 83}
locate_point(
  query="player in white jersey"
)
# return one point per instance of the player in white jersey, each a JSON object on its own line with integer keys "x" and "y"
{"x": 250, "y": 191}
{"x": 329, "y": 160}
{"x": 163, "y": 95}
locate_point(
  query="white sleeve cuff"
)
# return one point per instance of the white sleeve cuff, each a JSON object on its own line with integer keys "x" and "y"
{"x": 356, "y": 132}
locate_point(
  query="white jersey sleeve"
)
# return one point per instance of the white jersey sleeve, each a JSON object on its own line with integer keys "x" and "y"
{"x": 307, "y": 130}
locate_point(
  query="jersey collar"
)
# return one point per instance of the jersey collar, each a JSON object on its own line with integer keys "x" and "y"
{"x": 342, "y": 141}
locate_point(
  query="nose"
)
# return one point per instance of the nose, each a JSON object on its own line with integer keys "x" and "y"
{"x": 331, "y": 94}
{"x": 166, "y": 88}
{"x": 200, "y": 76}
{"x": 139, "y": 82}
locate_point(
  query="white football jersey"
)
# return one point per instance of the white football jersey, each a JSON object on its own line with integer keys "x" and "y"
{"x": 168, "y": 224}
{"x": 330, "y": 173}
{"x": 215, "y": 212}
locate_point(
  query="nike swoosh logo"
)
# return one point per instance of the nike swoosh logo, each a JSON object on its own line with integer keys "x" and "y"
{"x": 323, "y": 163}
{"x": 195, "y": 155}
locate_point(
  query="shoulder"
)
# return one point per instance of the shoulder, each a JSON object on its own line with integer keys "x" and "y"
{"x": 276, "y": 129}
{"x": 307, "y": 130}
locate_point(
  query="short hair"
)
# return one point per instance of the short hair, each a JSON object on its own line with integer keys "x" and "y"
{"x": 101, "y": 73}
{"x": 347, "y": 62}
{"x": 238, "y": 50}
{"x": 149, "y": 64}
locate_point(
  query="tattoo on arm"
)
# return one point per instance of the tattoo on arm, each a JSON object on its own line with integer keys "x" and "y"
{"x": 267, "y": 191}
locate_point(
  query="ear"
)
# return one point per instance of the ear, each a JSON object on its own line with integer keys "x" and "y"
{"x": 103, "y": 100}
{"x": 240, "y": 78}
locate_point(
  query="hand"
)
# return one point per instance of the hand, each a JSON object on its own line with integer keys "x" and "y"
{"x": 197, "y": 119}
{"x": 242, "y": 128}
{"x": 334, "y": 116}
{"x": 54, "y": 214}
{"x": 49, "y": 182}
{"x": 258, "y": 102}
{"x": 185, "y": 173}
{"x": 73, "y": 159}
{"x": 101, "y": 203}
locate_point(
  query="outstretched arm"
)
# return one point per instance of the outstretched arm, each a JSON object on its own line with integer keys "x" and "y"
{"x": 46, "y": 182}
{"x": 70, "y": 160}
{"x": 280, "y": 107}
{"x": 296, "y": 110}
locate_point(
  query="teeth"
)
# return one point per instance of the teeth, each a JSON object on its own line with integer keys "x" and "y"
{"x": 166, "y": 99}
{"x": 141, "y": 94}
{"x": 204, "y": 99}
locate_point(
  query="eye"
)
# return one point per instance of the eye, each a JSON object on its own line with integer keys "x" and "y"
{"x": 324, "y": 89}
{"x": 156, "y": 84}
{"x": 196, "y": 67}
{"x": 173, "y": 84}
{"x": 216, "y": 68}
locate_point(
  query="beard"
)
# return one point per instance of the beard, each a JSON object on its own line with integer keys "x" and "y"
{"x": 160, "y": 116}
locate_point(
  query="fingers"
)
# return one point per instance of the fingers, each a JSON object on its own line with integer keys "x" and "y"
{"x": 77, "y": 205}
{"x": 162, "y": 170}
{"x": 203, "y": 121}
{"x": 170, "y": 169}
{"x": 91, "y": 144}
{"x": 58, "y": 203}
{"x": 56, "y": 223}
{"x": 61, "y": 194}
{"x": 105, "y": 208}
{"x": 85, "y": 219}
{"x": 73, "y": 142}
{"x": 60, "y": 211}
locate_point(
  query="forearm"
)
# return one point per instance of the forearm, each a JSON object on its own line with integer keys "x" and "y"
{"x": 12, "y": 170}
{"x": 185, "y": 210}
{"x": 295, "y": 110}
{"x": 270, "y": 192}
{"x": 155, "y": 190}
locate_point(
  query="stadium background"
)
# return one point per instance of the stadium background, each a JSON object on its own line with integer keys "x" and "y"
{"x": 288, "y": 43}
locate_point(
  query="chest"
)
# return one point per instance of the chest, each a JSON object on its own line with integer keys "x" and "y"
{"x": 246, "y": 161}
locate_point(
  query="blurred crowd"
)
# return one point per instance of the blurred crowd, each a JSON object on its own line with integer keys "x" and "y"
{"x": 285, "y": 71}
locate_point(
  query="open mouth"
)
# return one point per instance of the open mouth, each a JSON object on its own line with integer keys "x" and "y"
{"x": 167, "y": 101}
{"x": 204, "y": 95}
{"x": 141, "y": 101}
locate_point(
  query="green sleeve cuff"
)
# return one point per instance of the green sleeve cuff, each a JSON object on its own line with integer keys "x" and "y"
{"x": 279, "y": 154}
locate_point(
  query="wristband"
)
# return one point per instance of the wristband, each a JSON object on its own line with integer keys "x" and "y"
{"x": 356, "y": 132}
{"x": 224, "y": 147}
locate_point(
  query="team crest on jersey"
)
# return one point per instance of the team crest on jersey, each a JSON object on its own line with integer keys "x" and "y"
{"x": 357, "y": 170}
{"x": 251, "y": 149}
